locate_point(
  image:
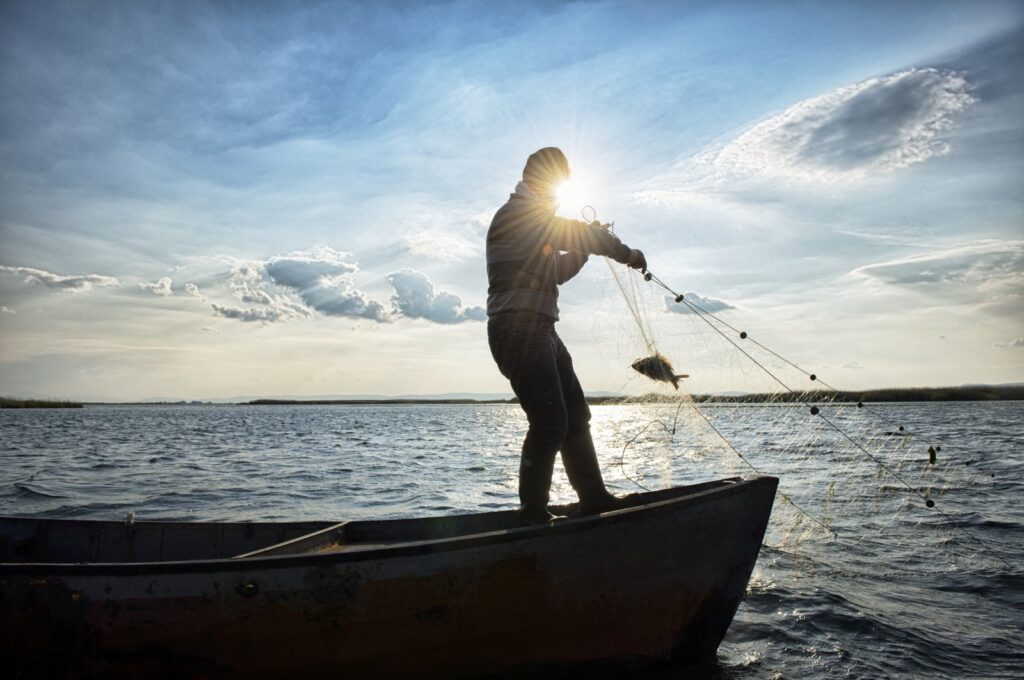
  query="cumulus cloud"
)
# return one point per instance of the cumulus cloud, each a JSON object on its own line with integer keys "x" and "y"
{"x": 72, "y": 283}
{"x": 161, "y": 286}
{"x": 244, "y": 285}
{"x": 416, "y": 298}
{"x": 321, "y": 279}
{"x": 324, "y": 279}
{"x": 707, "y": 304}
{"x": 248, "y": 284}
{"x": 872, "y": 127}
{"x": 261, "y": 314}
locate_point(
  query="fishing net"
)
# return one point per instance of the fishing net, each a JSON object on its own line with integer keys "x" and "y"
{"x": 850, "y": 472}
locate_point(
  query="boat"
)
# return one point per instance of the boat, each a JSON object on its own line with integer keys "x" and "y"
{"x": 454, "y": 596}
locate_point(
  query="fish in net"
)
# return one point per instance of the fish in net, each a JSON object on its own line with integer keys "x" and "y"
{"x": 657, "y": 367}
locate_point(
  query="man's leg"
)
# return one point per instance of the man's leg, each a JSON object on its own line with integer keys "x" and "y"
{"x": 578, "y": 455}
{"x": 526, "y": 354}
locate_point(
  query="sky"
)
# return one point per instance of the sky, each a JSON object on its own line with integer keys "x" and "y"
{"x": 211, "y": 200}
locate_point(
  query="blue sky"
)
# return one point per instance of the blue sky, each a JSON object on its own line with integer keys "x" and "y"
{"x": 207, "y": 200}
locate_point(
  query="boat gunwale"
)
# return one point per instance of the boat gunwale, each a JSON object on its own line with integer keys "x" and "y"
{"x": 398, "y": 549}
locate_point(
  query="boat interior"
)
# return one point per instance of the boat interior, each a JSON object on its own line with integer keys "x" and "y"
{"x": 63, "y": 541}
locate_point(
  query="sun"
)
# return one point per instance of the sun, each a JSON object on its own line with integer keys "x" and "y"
{"x": 572, "y": 195}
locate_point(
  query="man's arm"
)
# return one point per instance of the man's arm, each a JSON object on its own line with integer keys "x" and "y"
{"x": 568, "y": 265}
{"x": 573, "y": 235}
{"x": 528, "y": 227}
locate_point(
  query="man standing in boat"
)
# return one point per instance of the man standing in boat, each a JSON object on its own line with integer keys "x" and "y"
{"x": 530, "y": 252}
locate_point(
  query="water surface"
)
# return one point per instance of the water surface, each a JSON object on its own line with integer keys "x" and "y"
{"x": 902, "y": 591}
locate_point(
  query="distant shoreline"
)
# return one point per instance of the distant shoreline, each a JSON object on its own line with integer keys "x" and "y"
{"x": 980, "y": 393}
{"x": 895, "y": 394}
{"x": 38, "y": 403}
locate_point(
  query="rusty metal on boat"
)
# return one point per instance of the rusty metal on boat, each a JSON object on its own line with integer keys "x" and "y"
{"x": 448, "y": 596}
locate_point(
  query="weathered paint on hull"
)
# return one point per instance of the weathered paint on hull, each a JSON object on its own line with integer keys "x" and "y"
{"x": 660, "y": 581}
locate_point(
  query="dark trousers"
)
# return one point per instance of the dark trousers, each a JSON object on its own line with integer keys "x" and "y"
{"x": 531, "y": 355}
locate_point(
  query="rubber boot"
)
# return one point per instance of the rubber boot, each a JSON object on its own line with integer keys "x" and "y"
{"x": 534, "y": 487}
{"x": 584, "y": 472}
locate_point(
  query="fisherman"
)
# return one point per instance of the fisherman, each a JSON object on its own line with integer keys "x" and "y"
{"x": 530, "y": 252}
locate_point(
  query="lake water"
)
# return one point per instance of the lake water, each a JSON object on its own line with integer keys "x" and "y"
{"x": 902, "y": 591}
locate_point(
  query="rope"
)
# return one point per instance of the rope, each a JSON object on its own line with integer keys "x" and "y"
{"x": 649, "y": 276}
{"x": 703, "y": 314}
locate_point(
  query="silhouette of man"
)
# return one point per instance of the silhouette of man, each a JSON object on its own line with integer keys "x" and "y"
{"x": 530, "y": 252}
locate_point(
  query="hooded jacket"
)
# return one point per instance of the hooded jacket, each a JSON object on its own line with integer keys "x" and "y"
{"x": 530, "y": 251}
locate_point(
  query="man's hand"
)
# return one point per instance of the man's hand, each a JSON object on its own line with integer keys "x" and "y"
{"x": 637, "y": 260}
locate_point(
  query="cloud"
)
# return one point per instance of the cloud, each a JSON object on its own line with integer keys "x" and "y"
{"x": 852, "y": 365}
{"x": 988, "y": 276}
{"x": 244, "y": 285}
{"x": 707, "y": 304}
{"x": 73, "y": 283}
{"x": 1016, "y": 342}
{"x": 856, "y": 131}
{"x": 6, "y": 310}
{"x": 440, "y": 244}
{"x": 321, "y": 279}
{"x": 161, "y": 287}
{"x": 296, "y": 285}
{"x": 987, "y": 265}
{"x": 261, "y": 314}
{"x": 324, "y": 279}
{"x": 415, "y": 298}
{"x": 254, "y": 314}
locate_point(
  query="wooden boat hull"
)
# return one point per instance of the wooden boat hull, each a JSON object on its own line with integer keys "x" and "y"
{"x": 661, "y": 580}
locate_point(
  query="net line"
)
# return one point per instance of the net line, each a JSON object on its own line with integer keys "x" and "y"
{"x": 862, "y": 438}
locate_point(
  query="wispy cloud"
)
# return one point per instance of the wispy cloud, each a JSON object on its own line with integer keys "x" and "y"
{"x": 6, "y": 310}
{"x": 988, "y": 265}
{"x": 76, "y": 283}
{"x": 860, "y": 130}
{"x": 441, "y": 244}
{"x": 987, "y": 276}
{"x": 1016, "y": 342}
{"x": 416, "y": 298}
